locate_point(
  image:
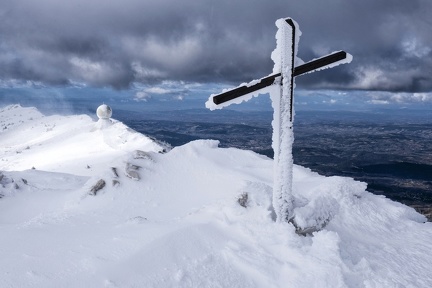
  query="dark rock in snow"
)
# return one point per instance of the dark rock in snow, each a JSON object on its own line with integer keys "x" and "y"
{"x": 425, "y": 209}
{"x": 308, "y": 231}
{"x": 243, "y": 199}
{"x": 114, "y": 171}
{"x": 98, "y": 186}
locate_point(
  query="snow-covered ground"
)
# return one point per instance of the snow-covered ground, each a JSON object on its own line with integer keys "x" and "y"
{"x": 174, "y": 220}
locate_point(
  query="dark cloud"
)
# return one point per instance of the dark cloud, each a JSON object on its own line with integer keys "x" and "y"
{"x": 116, "y": 43}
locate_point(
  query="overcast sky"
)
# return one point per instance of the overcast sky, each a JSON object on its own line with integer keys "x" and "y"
{"x": 128, "y": 43}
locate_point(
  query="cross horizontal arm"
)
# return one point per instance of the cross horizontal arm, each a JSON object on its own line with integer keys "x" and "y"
{"x": 269, "y": 80}
{"x": 243, "y": 90}
{"x": 320, "y": 62}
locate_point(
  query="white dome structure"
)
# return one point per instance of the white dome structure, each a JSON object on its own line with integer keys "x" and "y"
{"x": 104, "y": 112}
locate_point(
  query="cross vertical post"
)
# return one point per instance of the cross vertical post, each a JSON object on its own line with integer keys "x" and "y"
{"x": 283, "y": 135}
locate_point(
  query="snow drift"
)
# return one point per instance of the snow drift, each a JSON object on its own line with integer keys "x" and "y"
{"x": 179, "y": 222}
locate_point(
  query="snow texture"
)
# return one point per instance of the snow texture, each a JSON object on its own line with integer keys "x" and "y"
{"x": 180, "y": 224}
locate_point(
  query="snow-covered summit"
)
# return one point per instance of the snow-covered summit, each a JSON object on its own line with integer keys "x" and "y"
{"x": 69, "y": 144}
{"x": 196, "y": 216}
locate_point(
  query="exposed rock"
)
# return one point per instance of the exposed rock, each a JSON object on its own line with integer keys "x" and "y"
{"x": 114, "y": 171}
{"x": 132, "y": 167}
{"x": 138, "y": 154}
{"x": 425, "y": 209}
{"x": 243, "y": 199}
{"x": 131, "y": 171}
{"x": 137, "y": 220}
{"x": 132, "y": 174}
{"x": 98, "y": 186}
{"x": 308, "y": 231}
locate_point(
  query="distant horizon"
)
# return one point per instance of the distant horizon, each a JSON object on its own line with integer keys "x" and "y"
{"x": 73, "y": 100}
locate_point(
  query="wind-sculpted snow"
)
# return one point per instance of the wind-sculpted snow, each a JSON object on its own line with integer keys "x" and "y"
{"x": 180, "y": 224}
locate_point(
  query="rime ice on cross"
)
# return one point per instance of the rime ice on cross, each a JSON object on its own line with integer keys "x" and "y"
{"x": 280, "y": 85}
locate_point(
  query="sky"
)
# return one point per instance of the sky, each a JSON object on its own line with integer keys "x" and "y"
{"x": 173, "y": 51}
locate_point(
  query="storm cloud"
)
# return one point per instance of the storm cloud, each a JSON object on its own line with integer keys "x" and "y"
{"x": 118, "y": 43}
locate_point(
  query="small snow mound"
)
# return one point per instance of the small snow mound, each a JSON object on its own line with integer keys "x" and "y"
{"x": 316, "y": 214}
{"x": 103, "y": 123}
{"x": 258, "y": 195}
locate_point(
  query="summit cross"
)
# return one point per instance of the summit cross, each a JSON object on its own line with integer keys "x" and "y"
{"x": 282, "y": 101}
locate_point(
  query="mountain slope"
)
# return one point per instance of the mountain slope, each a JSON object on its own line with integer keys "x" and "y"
{"x": 64, "y": 143}
{"x": 174, "y": 220}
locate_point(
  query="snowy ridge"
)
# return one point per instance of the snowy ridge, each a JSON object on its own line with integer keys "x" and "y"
{"x": 61, "y": 143}
{"x": 180, "y": 224}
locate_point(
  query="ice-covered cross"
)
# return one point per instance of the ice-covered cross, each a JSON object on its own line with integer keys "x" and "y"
{"x": 280, "y": 86}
